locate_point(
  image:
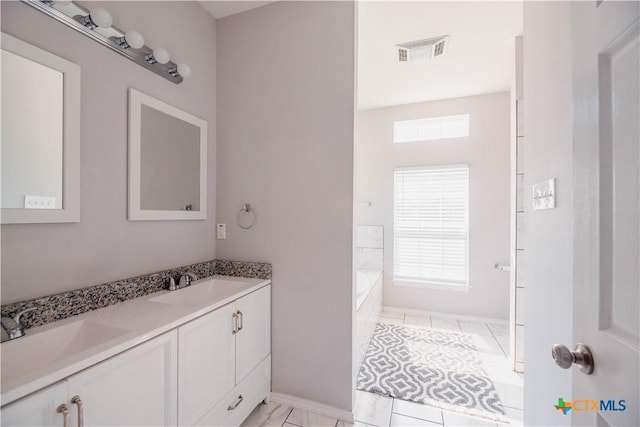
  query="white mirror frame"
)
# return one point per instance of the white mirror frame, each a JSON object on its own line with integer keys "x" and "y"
{"x": 70, "y": 211}
{"x": 136, "y": 100}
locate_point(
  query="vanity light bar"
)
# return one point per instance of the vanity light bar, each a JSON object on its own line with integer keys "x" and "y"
{"x": 73, "y": 16}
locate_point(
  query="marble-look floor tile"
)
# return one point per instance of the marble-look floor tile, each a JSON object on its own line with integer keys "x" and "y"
{"x": 417, "y": 321}
{"x": 398, "y": 420}
{"x": 499, "y": 327}
{"x": 391, "y": 320}
{"x": 304, "y": 418}
{"x": 417, "y": 410}
{"x": 355, "y": 424}
{"x": 453, "y": 419}
{"x": 478, "y": 328}
{"x": 270, "y": 414}
{"x": 503, "y": 340}
{"x": 511, "y": 395}
{"x": 392, "y": 314}
{"x": 516, "y": 416}
{"x": 444, "y": 323}
{"x": 371, "y": 408}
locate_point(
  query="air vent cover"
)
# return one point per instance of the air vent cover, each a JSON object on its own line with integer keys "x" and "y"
{"x": 422, "y": 49}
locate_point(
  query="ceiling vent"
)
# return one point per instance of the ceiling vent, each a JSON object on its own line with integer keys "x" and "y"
{"x": 421, "y": 50}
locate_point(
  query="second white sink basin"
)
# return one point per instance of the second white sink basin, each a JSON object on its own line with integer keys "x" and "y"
{"x": 201, "y": 293}
{"x": 37, "y": 350}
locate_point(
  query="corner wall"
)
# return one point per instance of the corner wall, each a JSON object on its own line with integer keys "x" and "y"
{"x": 285, "y": 114}
{"x": 487, "y": 151}
{"x": 549, "y": 254}
{"x": 44, "y": 259}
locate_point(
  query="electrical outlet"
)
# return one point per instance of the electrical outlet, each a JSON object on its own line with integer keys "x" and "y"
{"x": 39, "y": 202}
{"x": 221, "y": 231}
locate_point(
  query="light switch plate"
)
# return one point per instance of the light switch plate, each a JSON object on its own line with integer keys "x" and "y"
{"x": 39, "y": 202}
{"x": 544, "y": 195}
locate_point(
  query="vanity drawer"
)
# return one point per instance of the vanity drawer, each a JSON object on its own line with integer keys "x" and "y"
{"x": 253, "y": 389}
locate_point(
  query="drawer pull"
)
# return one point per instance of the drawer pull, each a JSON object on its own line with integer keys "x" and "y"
{"x": 235, "y": 323}
{"x": 62, "y": 409}
{"x": 235, "y": 405}
{"x": 240, "y": 318}
{"x": 77, "y": 401}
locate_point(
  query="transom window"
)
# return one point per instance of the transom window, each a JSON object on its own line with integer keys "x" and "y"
{"x": 431, "y": 225}
{"x": 431, "y": 128}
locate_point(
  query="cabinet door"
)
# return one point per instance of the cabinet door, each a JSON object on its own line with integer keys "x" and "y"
{"x": 206, "y": 363}
{"x": 38, "y": 409}
{"x": 135, "y": 388}
{"x": 253, "y": 341}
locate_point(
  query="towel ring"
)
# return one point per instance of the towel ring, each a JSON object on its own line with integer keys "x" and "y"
{"x": 246, "y": 217}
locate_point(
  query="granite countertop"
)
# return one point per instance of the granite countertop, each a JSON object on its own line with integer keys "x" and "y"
{"x": 55, "y": 351}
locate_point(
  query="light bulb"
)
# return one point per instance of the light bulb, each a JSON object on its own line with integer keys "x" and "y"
{"x": 161, "y": 55}
{"x": 101, "y": 17}
{"x": 134, "y": 39}
{"x": 184, "y": 70}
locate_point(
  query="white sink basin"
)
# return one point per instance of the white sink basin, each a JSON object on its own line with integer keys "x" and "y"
{"x": 202, "y": 293}
{"x": 30, "y": 353}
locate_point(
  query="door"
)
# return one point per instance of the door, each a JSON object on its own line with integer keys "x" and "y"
{"x": 38, "y": 409}
{"x": 253, "y": 340}
{"x": 134, "y": 388}
{"x": 206, "y": 369}
{"x": 606, "y": 159}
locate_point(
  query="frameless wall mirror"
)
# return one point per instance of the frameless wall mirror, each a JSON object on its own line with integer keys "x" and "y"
{"x": 167, "y": 161}
{"x": 40, "y": 95}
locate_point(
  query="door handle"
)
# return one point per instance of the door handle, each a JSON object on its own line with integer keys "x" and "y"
{"x": 235, "y": 405}
{"x": 62, "y": 409}
{"x": 235, "y": 323}
{"x": 239, "y": 313}
{"x": 581, "y": 356}
{"x": 77, "y": 401}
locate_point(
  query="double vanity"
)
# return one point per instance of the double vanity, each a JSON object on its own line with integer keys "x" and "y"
{"x": 200, "y": 355}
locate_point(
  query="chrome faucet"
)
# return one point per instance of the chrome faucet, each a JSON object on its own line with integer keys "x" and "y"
{"x": 11, "y": 327}
{"x": 184, "y": 281}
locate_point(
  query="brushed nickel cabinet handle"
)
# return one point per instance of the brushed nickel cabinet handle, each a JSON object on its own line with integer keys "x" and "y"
{"x": 235, "y": 323}
{"x": 77, "y": 401}
{"x": 236, "y": 403}
{"x": 62, "y": 409}
{"x": 240, "y": 320}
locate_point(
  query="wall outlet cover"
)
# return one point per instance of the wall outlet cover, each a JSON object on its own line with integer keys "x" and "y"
{"x": 221, "y": 230}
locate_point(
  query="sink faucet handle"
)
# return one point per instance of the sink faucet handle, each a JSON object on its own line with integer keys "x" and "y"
{"x": 187, "y": 278}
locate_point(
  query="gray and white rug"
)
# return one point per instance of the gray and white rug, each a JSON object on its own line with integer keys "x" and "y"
{"x": 430, "y": 366}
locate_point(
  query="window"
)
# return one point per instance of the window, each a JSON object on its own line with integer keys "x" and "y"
{"x": 431, "y": 226}
{"x": 431, "y": 128}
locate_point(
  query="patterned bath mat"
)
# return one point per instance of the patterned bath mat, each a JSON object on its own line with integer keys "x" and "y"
{"x": 430, "y": 366}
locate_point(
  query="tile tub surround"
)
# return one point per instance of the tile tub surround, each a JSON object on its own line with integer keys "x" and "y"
{"x": 66, "y": 304}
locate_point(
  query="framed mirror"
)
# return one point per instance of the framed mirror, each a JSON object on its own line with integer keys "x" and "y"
{"x": 40, "y": 95}
{"x": 167, "y": 161}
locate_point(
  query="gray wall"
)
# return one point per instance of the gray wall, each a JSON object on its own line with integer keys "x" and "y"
{"x": 487, "y": 152}
{"x": 285, "y": 145}
{"x": 47, "y": 258}
{"x": 549, "y": 233}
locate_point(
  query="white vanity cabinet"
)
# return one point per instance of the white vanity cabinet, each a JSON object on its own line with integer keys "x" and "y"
{"x": 212, "y": 370}
{"x": 38, "y": 409}
{"x": 135, "y": 388}
{"x": 224, "y": 365}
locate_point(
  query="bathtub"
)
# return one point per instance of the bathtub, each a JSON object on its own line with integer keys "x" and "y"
{"x": 368, "y": 309}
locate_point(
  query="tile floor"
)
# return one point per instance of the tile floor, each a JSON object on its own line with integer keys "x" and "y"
{"x": 382, "y": 411}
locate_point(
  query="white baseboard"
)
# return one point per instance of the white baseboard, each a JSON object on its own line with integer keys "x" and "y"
{"x": 424, "y": 313}
{"x": 312, "y": 406}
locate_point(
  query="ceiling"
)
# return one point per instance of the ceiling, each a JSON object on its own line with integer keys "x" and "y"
{"x": 220, "y": 9}
{"x": 479, "y": 57}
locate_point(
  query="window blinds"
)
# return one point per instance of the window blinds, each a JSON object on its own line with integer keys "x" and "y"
{"x": 431, "y": 224}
